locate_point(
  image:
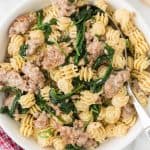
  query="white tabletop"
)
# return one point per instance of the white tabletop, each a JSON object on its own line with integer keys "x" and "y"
{"x": 141, "y": 143}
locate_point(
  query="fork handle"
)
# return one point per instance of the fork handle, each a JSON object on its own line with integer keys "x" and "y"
{"x": 144, "y": 118}
{"x": 147, "y": 132}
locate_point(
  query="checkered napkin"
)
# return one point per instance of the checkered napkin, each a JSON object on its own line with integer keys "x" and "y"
{"x": 6, "y": 142}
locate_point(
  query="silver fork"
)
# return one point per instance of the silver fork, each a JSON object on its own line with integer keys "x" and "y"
{"x": 143, "y": 116}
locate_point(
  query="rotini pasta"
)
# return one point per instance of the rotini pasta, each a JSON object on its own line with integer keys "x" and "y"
{"x": 112, "y": 114}
{"x": 45, "y": 92}
{"x": 6, "y": 66}
{"x": 16, "y": 42}
{"x": 144, "y": 80}
{"x": 86, "y": 116}
{"x": 27, "y": 101}
{"x": 96, "y": 131}
{"x": 130, "y": 62}
{"x": 58, "y": 144}
{"x": 86, "y": 99}
{"x": 66, "y": 71}
{"x": 130, "y": 121}
{"x": 120, "y": 129}
{"x": 98, "y": 25}
{"x": 119, "y": 61}
{"x": 141, "y": 63}
{"x": 65, "y": 85}
{"x": 103, "y": 18}
{"x": 26, "y": 127}
{"x": 34, "y": 110}
{"x": 17, "y": 62}
{"x": 121, "y": 99}
{"x": 86, "y": 74}
{"x": 44, "y": 136}
{"x": 50, "y": 12}
{"x": 101, "y": 4}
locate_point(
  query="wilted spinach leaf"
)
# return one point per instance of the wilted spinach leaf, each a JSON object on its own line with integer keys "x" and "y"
{"x": 15, "y": 101}
{"x": 43, "y": 105}
{"x": 45, "y": 27}
{"x": 104, "y": 58}
{"x": 67, "y": 107}
{"x": 95, "y": 109}
{"x": 85, "y": 13}
{"x": 96, "y": 85}
{"x": 22, "y": 51}
{"x": 5, "y": 110}
{"x": 57, "y": 97}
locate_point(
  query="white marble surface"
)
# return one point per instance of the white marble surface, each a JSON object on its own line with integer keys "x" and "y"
{"x": 141, "y": 142}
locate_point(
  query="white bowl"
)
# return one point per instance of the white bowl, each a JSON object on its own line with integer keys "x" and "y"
{"x": 10, "y": 126}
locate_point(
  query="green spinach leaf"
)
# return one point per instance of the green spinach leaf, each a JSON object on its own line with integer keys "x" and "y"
{"x": 45, "y": 27}
{"x": 23, "y": 49}
{"x": 57, "y": 97}
{"x": 96, "y": 85}
{"x": 104, "y": 58}
{"x": 95, "y": 109}
{"x": 67, "y": 107}
{"x": 15, "y": 101}
{"x": 43, "y": 105}
{"x": 5, "y": 110}
{"x": 85, "y": 13}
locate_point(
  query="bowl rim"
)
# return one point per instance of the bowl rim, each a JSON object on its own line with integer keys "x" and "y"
{"x": 137, "y": 126}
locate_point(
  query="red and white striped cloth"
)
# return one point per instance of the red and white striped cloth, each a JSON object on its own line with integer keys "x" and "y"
{"x": 6, "y": 142}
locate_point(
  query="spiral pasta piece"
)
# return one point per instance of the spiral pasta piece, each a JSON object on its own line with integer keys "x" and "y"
{"x": 141, "y": 63}
{"x": 50, "y": 12}
{"x": 86, "y": 74}
{"x": 55, "y": 35}
{"x": 122, "y": 16}
{"x": 143, "y": 80}
{"x": 113, "y": 39}
{"x": 45, "y": 92}
{"x": 110, "y": 130}
{"x": 27, "y": 101}
{"x": 129, "y": 28}
{"x": 65, "y": 85}
{"x": 67, "y": 118}
{"x": 58, "y": 144}
{"x": 96, "y": 131}
{"x": 101, "y": 4}
{"x": 112, "y": 114}
{"x": 130, "y": 62}
{"x": 64, "y": 23}
{"x": 119, "y": 61}
{"x": 17, "y": 62}
{"x": 120, "y": 129}
{"x": 142, "y": 98}
{"x": 112, "y": 35}
{"x": 16, "y": 42}
{"x": 102, "y": 114}
{"x": 130, "y": 122}
{"x": 6, "y": 66}
{"x": 98, "y": 28}
{"x": 87, "y": 98}
{"x": 121, "y": 99}
{"x": 66, "y": 72}
{"x": 45, "y": 136}
{"x": 72, "y": 31}
{"x": 35, "y": 110}
{"x": 86, "y": 116}
{"x": 103, "y": 18}
{"x": 26, "y": 126}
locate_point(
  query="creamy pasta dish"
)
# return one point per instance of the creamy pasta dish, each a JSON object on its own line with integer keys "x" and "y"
{"x": 65, "y": 72}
